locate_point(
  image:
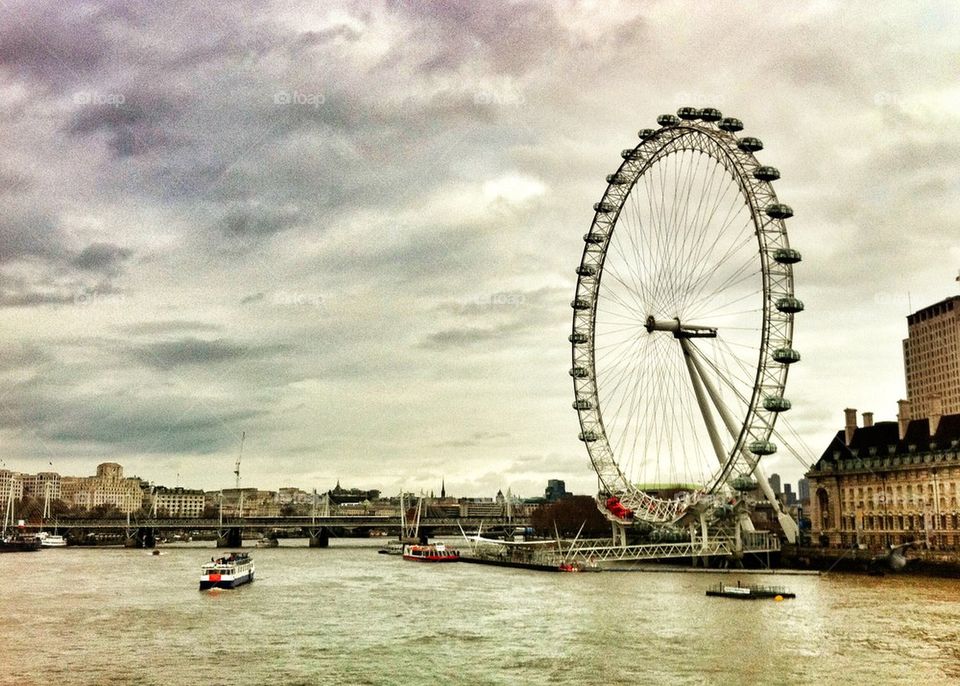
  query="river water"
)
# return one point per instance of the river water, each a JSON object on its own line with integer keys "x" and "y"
{"x": 346, "y": 615}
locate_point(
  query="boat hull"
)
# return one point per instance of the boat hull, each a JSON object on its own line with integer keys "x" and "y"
{"x": 226, "y": 583}
{"x": 26, "y": 546}
{"x": 432, "y": 558}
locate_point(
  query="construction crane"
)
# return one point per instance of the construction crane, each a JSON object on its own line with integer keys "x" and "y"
{"x": 236, "y": 469}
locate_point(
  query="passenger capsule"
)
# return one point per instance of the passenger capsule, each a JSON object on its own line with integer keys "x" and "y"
{"x": 749, "y": 144}
{"x": 710, "y": 114}
{"x": 786, "y": 355}
{"x": 730, "y": 124}
{"x": 580, "y": 304}
{"x": 646, "y": 133}
{"x": 744, "y": 484}
{"x": 778, "y": 211}
{"x": 587, "y": 270}
{"x": 776, "y": 404}
{"x": 786, "y": 255}
{"x": 587, "y": 436}
{"x": 618, "y": 179}
{"x": 790, "y": 305}
{"x": 766, "y": 174}
{"x": 688, "y": 113}
{"x": 593, "y": 238}
{"x": 579, "y": 373}
{"x": 762, "y": 448}
{"x": 578, "y": 337}
{"x": 668, "y": 120}
{"x": 582, "y": 404}
{"x": 631, "y": 154}
{"x": 604, "y": 207}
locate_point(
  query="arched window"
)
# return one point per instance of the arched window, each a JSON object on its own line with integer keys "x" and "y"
{"x": 823, "y": 502}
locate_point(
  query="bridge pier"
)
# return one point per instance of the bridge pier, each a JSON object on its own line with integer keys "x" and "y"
{"x": 230, "y": 538}
{"x": 319, "y": 538}
{"x": 144, "y": 537}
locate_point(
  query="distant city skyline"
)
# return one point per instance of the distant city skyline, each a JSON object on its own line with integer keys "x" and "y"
{"x": 350, "y": 230}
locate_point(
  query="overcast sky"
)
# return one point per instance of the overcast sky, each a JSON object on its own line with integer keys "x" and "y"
{"x": 350, "y": 230}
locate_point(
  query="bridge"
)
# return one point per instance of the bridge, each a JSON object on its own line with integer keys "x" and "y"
{"x": 230, "y": 531}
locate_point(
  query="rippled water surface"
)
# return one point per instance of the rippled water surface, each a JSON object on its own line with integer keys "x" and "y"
{"x": 346, "y": 615}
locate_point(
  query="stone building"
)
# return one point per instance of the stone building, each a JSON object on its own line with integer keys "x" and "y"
{"x": 108, "y": 487}
{"x": 888, "y": 483}
{"x": 11, "y": 484}
{"x": 931, "y": 358}
{"x": 178, "y": 502}
{"x": 41, "y": 485}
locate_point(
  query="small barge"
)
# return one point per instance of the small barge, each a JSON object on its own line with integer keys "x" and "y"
{"x": 229, "y": 571}
{"x": 749, "y": 592}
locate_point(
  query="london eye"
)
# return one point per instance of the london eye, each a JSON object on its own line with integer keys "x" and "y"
{"x": 683, "y": 316}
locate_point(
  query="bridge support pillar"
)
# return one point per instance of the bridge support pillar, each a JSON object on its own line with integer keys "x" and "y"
{"x": 319, "y": 538}
{"x": 130, "y": 539}
{"x": 230, "y": 538}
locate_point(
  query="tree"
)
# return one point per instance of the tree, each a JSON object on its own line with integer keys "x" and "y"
{"x": 568, "y": 514}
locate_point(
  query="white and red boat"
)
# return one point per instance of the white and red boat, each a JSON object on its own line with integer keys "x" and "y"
{"x": 229, "y": 571}
{"x": 433, "y": 552}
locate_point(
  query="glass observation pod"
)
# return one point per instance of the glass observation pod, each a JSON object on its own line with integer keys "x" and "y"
{"x": 587, "y": 436}
{"x": 766, "y": 174}
{"x": 646, "y": 133}
{"x": 776, "y": 404}
{"x": 786, "y": 355}
{"x": 668, "y": 120}
{"x": 731, "y": 124}
{"x": 579, "y": 373}
{"x": 578, "y": 337}
{"x": 594, "y": 238}
{"x": 744, "y": 484}
{"x": 688, "y": 113}
{"x": 749, "y": 144}
{"x": 582, "y": 404}
{"x": 580, "y": 304}
{"x": 604, "y": 207}
{"x": 789, "y": 305}
{"x": 587, "y": 270}
{"x": 786, "y": 255}
{"x": 710, "y": 114}
{"x": 762, "y": 448}
{"x": 631, "y": 154}
{"x": 618, "y": 179}
{"x": 778, "y": 211}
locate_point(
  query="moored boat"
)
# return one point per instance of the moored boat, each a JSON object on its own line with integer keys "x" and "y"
{"x": 433, "y": 552}
{"x": 18, "y": 543}
{"x": 48, "y": 540}
{"x": 749, "y": 592}
{"x": 228, "y": 571}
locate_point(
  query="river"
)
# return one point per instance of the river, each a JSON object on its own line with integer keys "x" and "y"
{"x": 345, "y": 615}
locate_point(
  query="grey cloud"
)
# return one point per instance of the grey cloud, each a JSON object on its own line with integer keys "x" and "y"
{"x": 167, "y": 355}
{"x": 105, "y": 258}
{"x": 164, "y": 327}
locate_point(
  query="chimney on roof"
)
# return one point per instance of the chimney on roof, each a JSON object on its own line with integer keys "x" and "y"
{"x": 936, "y": 412}
{"x": 850, "y": 415}
{"x": 903, "y": 417}
{"x": 867, "y": 419}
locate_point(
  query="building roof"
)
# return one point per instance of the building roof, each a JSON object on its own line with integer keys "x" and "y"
{"x": 882, "y": 435}
{"x": 942, "y": 307}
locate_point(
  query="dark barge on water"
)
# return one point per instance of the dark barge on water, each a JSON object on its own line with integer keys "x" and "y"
{"x": 749, "y": 592}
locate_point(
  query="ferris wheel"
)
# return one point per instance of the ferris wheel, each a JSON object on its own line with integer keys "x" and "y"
{"x": 683, "y": 319}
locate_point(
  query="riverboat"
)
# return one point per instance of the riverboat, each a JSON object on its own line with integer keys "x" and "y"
{"x": 18, "y": 543}
{"x": 749, "y": 592}
{"x": 48, "y": 540}
{"x": 229, "y": 571}
{"x": 433, "y": 552}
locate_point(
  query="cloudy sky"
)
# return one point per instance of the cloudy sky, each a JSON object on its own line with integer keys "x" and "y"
{"x": 350, "y": 230}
